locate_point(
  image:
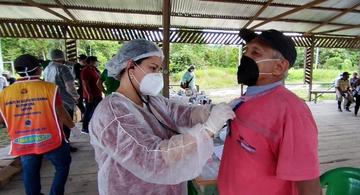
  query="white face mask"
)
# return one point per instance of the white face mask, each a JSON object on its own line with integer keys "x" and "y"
{"x": 151, "y": 84}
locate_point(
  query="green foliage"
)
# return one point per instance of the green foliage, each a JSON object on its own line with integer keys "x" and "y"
{"x": 210, "y": 78}
{"x": 319, "y": 75}
{"x": 216, "y": 77}
{"x": 334, "y": 62}
{"x": 299, "y": 63}
{"x": 206, "y": 58}
{"x": 12, "y": 48}
{"x": 202, "y": 56}
{"x": 103, "y": 50}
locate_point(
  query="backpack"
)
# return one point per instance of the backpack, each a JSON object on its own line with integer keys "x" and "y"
{"x": 185, "y": 85}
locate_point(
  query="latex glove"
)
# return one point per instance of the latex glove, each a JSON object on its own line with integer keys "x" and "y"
{"x": 218, "y": 116}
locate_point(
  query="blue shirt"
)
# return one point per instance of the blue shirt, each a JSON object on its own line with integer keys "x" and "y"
{"x": 253, "y": 91}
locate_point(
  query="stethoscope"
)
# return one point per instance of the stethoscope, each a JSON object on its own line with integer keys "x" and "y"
{"x": 147, "y": 103}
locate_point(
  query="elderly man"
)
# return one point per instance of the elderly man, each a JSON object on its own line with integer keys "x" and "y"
{"x": 342, "y": 88}
{"x": 271, "y": 146}
{"x": 58, "y": 73}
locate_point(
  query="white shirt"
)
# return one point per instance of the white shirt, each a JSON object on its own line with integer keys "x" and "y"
{"x": 3, "y": 83}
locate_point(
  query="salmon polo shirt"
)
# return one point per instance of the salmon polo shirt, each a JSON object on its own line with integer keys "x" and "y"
{"x": 273, "y": 143}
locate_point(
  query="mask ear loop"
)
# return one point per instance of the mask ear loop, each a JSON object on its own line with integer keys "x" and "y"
{"x": 147, "y": 101}
{"x": 132, "y": 84}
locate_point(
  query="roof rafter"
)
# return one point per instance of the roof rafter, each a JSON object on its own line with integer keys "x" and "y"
{"x": 312, "y": 3}
{"x": 35, "y": 4}
{"x": 335, "y": 17}
{"x": 258, "y": 13}
{"x": 65, "y": 10}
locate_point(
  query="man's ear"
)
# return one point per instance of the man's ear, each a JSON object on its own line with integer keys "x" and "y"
{"x": 280, "y": 67}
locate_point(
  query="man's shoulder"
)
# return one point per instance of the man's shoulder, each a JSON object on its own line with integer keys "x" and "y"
{"x": 3, "y": 79}
{"x": 283, "y": 96}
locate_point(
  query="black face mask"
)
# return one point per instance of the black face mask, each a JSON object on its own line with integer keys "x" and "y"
{"x": 248, "y": 71}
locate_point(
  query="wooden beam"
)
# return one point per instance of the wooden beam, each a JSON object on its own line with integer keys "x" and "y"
{"x": 338, "y": 29}
{"x": 166, "y": 45}
{"x": 257, "y": 14}
{"x": 30, "y": 2}
{"x": 65, "y": 10}
{"x": 312, "y": 3}
{"x": 335, "y": 17}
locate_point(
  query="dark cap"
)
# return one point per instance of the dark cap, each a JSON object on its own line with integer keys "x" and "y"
{"x": 345, "y": 73}
{"x": 82, "y": 57}
{"x": 91, "y": 59}
{"x": 26, "y": 61}
{"x": 275, "y": 39}
{"x": 57, "y": 54}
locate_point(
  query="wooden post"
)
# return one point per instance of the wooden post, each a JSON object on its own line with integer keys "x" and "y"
{"x": 71, "y": 50}
{"x": 166, "y": 45}
{"x": 308, "y": 66}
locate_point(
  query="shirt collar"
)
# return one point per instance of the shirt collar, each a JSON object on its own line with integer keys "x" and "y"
{"x": 254, "y": 90}
{"x": 28, "y": 78}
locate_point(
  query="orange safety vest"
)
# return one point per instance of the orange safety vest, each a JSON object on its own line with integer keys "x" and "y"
{"x": 28, "y": 107}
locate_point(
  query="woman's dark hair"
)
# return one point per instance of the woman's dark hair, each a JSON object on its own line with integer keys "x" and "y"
{"x": 137, "y": 62}
{"x": 27, "y": 62}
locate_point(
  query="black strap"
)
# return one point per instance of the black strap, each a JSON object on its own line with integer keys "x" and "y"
{"x": 161, "y": 123}
{"x": 229, "y": 121}
{"x": 190, "y": 80}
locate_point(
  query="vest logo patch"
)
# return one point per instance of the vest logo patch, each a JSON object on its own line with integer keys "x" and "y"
{"x": 24, "y": 91}
{"x": 32, "y": 139}
{"x": 28, "y": 123}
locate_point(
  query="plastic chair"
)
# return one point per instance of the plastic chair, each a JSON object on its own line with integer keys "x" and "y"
{"x": 341, "y": 181}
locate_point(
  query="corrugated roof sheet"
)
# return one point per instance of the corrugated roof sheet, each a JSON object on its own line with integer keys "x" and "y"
{"x": 349, "y": 18}
{"x": 312, "y": 15}
{"x": 327, "y": 27}
{"x": 274, "y": 11}
{"x": 285, "y": 26}
{"x": 207, "y": 23}
{"x": 192, "y": 14}
{"x": 151, "y": 5}
{"x": 117, "y": 18}
{"x": 339, "y": 3}
{"x": 354, "y": 32}
{"x": 211, "y": 8}
{"x": 45, "y": 1}
{"x": 17, "y": 12}
{"x": 297, "y": 2}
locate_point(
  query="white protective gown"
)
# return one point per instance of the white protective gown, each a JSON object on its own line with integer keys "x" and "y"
{"x": 137, "y": 155}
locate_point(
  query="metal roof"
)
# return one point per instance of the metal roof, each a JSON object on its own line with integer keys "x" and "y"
{"x": 307, "y": 17}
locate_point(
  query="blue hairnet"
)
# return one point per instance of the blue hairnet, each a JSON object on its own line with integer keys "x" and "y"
{"x": 133, "y": 50}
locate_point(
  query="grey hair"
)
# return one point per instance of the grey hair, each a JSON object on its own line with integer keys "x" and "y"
{"x": 277, "y": 55}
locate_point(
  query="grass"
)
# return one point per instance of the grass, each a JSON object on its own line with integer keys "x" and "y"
{"x": 217, "y": 78}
